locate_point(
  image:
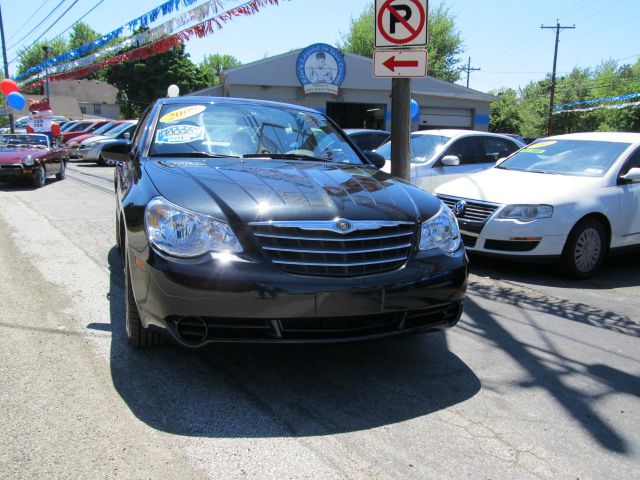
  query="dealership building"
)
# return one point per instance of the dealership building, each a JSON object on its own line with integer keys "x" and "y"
{"x": 342, "y": 85}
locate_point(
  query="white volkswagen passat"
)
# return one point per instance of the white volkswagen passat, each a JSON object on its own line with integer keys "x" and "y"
{"x": 439, "y": 156}
{"x": 571, "y": 198}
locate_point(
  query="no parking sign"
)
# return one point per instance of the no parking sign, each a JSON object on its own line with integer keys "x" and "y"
{"x": 401, "y": 23}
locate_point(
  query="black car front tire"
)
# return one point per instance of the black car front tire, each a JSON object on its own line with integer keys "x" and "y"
{"x": 137, "y": 336}
{"x": 585, "y": 250}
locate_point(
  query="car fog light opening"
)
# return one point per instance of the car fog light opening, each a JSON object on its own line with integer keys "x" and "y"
{"x": 183, "y": 233}
{"x": 441, "y": 232}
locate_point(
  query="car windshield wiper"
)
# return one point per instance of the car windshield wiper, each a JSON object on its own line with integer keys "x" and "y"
{"x": 548, "y": 172}
{"x": 286, "y": 156}
{"x": 193, "y": 155}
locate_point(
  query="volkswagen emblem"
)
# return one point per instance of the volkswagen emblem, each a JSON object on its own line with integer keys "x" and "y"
{"x": 343, "y": 225}
{"x": 459, "y": 208}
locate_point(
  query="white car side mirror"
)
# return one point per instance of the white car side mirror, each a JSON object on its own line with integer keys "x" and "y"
{"x": 450, "y": 161}
{"x": 632, "y": 175}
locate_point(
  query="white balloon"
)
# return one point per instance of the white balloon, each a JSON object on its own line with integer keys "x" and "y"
{"x": 173, "y": 91}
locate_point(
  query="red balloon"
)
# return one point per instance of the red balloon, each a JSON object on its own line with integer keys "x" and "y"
{"x": 7, "y": 86}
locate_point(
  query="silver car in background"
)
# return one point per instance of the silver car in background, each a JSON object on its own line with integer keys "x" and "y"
{"x": 438, "y": 156}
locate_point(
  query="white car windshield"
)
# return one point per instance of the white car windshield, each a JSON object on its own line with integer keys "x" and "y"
{"x": 585, "y": 158}
{"x": 249, "y": 130}
{"x": 423, "y": 147}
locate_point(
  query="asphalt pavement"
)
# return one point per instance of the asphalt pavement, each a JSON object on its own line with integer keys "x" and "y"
{"x": 540, "y": 379}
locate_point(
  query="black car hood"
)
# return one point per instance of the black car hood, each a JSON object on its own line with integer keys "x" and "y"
{"x": 271, "y": 189}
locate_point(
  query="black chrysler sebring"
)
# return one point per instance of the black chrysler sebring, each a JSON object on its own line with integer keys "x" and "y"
{"x": 251, "y": 221}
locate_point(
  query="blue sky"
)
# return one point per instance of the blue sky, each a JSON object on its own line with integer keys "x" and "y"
{"x": 503, "y": 37}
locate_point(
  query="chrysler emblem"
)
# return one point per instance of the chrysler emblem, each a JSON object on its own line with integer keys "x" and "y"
{"x": 459, "y": 208}
{"x": 343, "y": 225}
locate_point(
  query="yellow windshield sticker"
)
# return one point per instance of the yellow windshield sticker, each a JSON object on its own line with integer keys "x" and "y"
{"x": 182, "y": 113}
{"x": 540, "y": 145}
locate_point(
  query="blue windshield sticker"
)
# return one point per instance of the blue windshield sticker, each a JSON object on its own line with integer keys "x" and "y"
{"x": 180, "y": 134}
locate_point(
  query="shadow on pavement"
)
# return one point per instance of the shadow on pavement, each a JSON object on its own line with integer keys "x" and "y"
{"x": 618, "y": 271}
{"x": 549, "y": 370}
{"x": 536, "y": 301}
{"x": 274, "y": 391}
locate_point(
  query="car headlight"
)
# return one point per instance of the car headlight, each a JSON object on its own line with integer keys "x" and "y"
{"x": 73, "y": 144}
{"x": 27, "y": 161}
{"x": 183, "y": 233}
{"x": 441, "y": 231}
{"x": 527, "y": 213}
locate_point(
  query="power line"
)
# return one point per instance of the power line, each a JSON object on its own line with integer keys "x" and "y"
{"x": 38, "y": 25}
{"x": 78, "y": 20}
{"x": 28, "y": 20}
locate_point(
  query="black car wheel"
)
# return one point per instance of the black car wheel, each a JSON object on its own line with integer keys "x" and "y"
{"x": 63, "y": 171}
{"x": 39, "y": 177}
{"x": 585, "y": 250}
{"x": 138, "y": 336}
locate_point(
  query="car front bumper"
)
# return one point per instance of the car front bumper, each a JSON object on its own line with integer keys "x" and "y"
{"x": 526, "y": 240}
{"x": 15, "y": 171}
{"x": 254, "y": 301}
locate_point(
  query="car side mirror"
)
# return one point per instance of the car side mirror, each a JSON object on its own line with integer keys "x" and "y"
{"x": 117, "y": 152}
{"x": 632, "y": 176}
{"x": 450, "y": 161}
{"x": 375, "y": 158}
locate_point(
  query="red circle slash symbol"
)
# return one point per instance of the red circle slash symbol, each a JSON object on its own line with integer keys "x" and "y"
{"x": 413, "y": 32}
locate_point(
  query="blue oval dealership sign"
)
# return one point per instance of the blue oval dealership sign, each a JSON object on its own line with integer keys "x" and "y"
{"x": 321, "y": 69}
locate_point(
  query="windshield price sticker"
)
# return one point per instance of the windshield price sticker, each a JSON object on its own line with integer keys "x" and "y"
{"x": 540, "y": 145}
{"x": 182, "y": 113}
{"x": 180, "y": 134}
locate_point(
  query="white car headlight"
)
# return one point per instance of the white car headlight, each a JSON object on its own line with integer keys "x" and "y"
{"x": 527, "y": 213}
{"x": 27, "y": 161}
{"x": 73, "y": 144}
{"x": 183, "y": 233}
{"x": 441, "y": 231}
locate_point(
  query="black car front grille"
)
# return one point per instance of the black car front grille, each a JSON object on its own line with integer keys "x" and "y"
{"x": 469, "y": 240}
{"x": 474, "y": 211}
{"x": 303, "y": 250}
{"x": 511, "y": 245}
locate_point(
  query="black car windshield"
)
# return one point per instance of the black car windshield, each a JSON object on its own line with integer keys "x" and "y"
{"x": 585, "y": 158}
{"x": 423, "y": 147}
{"x": 8, "y": 140}
{"x": 237, "y": 129}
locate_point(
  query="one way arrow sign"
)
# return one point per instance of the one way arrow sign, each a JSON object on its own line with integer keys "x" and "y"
{"x": 400, "y": 63}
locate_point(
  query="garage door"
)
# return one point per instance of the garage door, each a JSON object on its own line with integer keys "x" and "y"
{"x": 431, "y": 117}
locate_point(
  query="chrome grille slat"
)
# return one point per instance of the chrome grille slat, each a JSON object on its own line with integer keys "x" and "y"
{"x": 321, "y": 239}
{"x": 355, "y": 264}
{"x": 475, "y": 211}
{"x": 313, "y": 249}
{"x": 338, "y": 252}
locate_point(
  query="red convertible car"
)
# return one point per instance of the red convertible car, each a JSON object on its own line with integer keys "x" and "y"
{"x": 30, "y": 156}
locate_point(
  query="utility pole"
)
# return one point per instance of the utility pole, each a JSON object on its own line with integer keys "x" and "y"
{"x": 47, "y": 51}
{"x": 6, "y": 71}
{"x": 468, "y": 69}
{"x": 400, "y": 127}
{"x": 557, "y": 28}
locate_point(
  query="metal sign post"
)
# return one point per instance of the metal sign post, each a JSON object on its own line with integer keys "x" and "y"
{"x": 400, "y": 24}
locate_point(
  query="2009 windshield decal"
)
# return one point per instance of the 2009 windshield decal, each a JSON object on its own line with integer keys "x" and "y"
{"x": 180, "y": 134}
{"x": 182, "y": 113}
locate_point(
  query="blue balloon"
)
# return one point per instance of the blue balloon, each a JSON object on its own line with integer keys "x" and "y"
{"x": 15, "y": 100}
{"x": 415, "y": 108}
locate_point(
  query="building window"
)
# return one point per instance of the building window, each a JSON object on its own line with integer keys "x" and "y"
{"x": 83, "y": 110}
{"x": 97, "y": 109}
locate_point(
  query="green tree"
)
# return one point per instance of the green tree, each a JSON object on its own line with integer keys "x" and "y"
{"x": 140, "y": 83}
{"x": 34, "y": 54}
{"x": 505, "y": 114}
{"x": 81, "y": 33}
{"x": 213, "y": 66}
{"x": 445, "y": 41}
